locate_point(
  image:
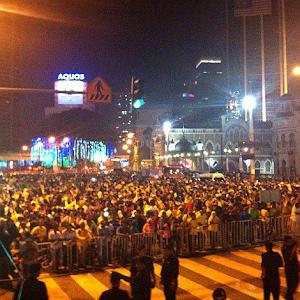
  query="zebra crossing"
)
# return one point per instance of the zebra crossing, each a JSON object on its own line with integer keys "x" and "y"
{"x": 238, "y": 272}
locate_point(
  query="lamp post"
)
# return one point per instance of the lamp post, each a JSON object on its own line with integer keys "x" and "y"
{"x": 166, "y": 128}
{"x": 249, "y": 104}
{"x": 200, "y": 148}
{"x": 226, "y": 161}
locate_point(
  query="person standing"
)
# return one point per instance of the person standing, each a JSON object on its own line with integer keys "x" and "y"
{"x": 115, "y": 293}
{"x": 32, "y": 288}
{"x": 271, "y": 262}
{"x": 142, "y": 275}
{"x": 169, "y": 273}
{"x": 291, "y": 265}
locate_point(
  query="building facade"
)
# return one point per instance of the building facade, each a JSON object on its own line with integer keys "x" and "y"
{"x": 221, "y": 147}
{"x": 286, "y": 139}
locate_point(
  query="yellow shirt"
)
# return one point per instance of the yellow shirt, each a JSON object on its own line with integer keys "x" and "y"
{"x": 193, "y": 226}
{"x": 83, "y": 237}
{"x": 40, "y": 232}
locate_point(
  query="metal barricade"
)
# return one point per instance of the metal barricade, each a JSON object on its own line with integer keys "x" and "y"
{"x": 121, "y": 249}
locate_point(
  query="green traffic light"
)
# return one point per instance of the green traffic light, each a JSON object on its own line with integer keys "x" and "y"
{"x": 138, "y": 103}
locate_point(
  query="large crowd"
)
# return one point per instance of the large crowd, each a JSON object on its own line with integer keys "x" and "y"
{"x": 64, "y": 206}
{"x": 60, "y": 208}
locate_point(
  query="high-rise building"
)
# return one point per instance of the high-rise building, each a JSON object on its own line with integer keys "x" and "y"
{"x": 125, "y": 116}
{"x": 210, "y": 80}
{"x": 6, "y": 80}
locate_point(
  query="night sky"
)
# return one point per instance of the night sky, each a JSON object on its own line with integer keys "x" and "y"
{"x": 158, "y": 41}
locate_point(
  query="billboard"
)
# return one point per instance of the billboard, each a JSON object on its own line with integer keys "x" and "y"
{"x": 70, "y": 82}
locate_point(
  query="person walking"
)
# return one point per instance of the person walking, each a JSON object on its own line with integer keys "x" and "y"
{"x": 142, "y": 275}
{"x": 115, "y": 293}
{"x": 291, "y": 265}
{"x": 271, "y": 262}
{"x": 169, "y": 273}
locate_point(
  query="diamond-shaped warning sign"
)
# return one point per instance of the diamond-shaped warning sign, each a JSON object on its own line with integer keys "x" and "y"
{"x": 99, "y": 92}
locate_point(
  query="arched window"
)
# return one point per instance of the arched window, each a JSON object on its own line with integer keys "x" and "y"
{"x": 242, "y": 135}
{"x": 209, "y": 147}
{"x": 292, "y": 142}
{"x": 268, "y": 166}
{"x": 257, "y": 165}
{"x": 231, "y": 135}
{"x": 283, "y": 167}
{"x": 277, "y": 142}
{"x": 236, "y": 136}
{"x": 283, "y": 142}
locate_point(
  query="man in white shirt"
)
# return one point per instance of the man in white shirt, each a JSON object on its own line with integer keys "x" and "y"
{"x": 54, "y": 237}
{"x": 295, "y": 218}
{"x": 69, "y": 246}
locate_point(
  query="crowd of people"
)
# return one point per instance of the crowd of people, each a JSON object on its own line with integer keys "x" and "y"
{"x": 59, "y": 208}
{"x": 52, "y": 206}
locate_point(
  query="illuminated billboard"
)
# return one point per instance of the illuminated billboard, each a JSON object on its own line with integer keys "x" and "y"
{"x": 70, "y": 82}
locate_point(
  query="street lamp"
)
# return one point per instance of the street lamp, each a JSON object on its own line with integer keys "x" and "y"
{"x": 249, "y": 104}
{"x": 166, "y": 128}
{"x": 25, "y": 148}
{"x": 125, "y": 147}
{"x": 226, "y": 151}
{"x": 296, "y": 71}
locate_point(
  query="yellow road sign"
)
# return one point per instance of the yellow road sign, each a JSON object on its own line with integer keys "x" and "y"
{"x": 99, "y": 92}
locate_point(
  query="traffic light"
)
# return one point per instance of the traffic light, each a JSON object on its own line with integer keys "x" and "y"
{"x": 137, "y": 87}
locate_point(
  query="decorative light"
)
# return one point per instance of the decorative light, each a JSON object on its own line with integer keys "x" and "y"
{"x": 125, "y": 147}
{"x": 51, "y": 139}
{"x": 213, "y": 152}
{"x": 66, "y": 140}
{"x": 25, "y": 148}
{"x": 130, "y": 135}
{"x": 229, "y": 151}
{"x": 236, "y": 149}
{"x": 225, "y": 150}
{"x": 128, "y": 151}
{"x": 205, "y": 153}
{"x": 129, "y": 142}
{"x": 246, "y": 149}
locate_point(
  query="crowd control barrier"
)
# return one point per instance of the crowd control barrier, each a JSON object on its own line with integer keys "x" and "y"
{"x": 120, "y": 249}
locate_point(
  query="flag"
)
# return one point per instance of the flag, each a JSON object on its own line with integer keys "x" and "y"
{"x": 251, "y": 8}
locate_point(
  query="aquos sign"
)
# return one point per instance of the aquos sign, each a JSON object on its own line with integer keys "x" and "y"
{"x": 68, "y": 76}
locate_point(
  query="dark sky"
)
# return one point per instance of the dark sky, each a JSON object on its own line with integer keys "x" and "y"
{"x": 159, "y": 41}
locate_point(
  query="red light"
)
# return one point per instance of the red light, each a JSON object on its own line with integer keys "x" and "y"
{"x": 196, "y": 82}
{"x": 30, "y": 167}
{"x": 11, "y": 167}
{"x": 184, "y": 84}
{"x": 86, "y": 167}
